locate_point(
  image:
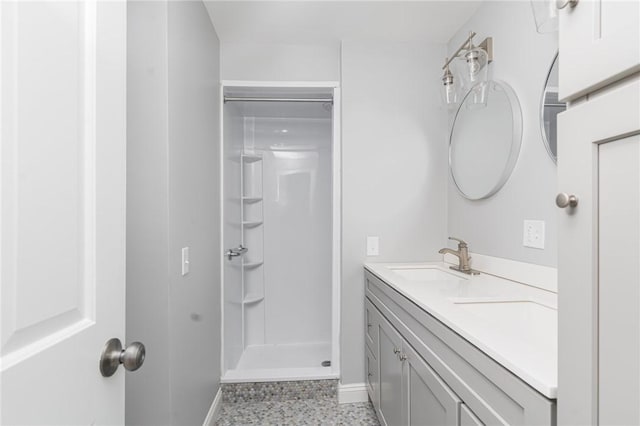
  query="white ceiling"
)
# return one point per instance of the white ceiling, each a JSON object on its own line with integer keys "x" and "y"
{"x": 321, "y": 22}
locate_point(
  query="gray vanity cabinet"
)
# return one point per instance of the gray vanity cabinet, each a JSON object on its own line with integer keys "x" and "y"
{"x": 410, "y": 391}
{"x": 419, "y": 372}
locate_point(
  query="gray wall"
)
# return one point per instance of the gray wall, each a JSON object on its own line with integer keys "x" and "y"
{"x": 394, "y": 165}
{"x": 173, "y": 202}
{"x": 393, "y": 155}
{"x": 522, "y": 58}
{"x": 280, "y": 62}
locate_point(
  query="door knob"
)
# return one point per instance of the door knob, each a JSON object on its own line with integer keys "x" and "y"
{"x": 564, "y": 200}
{"x": 132, "y": 357}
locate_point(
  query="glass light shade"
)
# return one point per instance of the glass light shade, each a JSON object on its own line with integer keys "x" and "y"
{"x": 474, "y": 70}
{"x": 545, "y": 15}
{"x": 477, "y": 96}
{"x": 449, "y": 89}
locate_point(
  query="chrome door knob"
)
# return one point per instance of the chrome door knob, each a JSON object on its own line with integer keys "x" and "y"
{"x": 132, "y": 357}
{"x": 564, "y": 200}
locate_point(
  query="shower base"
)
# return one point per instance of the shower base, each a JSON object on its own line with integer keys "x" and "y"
{"x": 266, "y": 363}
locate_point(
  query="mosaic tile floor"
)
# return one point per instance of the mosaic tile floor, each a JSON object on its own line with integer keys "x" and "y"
{"x": 300, "y": 412}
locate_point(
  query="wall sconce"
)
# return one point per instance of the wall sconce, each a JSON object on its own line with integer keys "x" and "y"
{"x": 545, "y": 13}
{"x": 449, "y": 89}
{"x": 474, "y": 73}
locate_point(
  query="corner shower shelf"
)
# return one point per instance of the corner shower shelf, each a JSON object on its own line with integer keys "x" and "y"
{"x": 252, "y": 224}
{"x": 253, "y": 298}
{"x": 251, "y": 158}
{"x": 251, "y": 200}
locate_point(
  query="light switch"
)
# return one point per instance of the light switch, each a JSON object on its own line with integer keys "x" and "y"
{"x": 185, "y": 260}
{"x": 373, "y": 246}
{"x": 533, "y": 234}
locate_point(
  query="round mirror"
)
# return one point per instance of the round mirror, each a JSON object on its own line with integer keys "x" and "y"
{"x": 549, "y": 110}
{"x": 485, "y": 142}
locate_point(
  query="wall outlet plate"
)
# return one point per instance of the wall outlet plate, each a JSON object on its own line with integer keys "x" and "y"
{"x": 533, "y": 234}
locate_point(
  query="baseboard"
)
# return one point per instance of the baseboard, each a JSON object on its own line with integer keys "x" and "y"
{"x": 355, "y": 392}
{"x": 214, "y": 410}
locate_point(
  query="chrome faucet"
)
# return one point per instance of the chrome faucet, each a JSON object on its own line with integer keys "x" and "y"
{"x": 463, "y": 257}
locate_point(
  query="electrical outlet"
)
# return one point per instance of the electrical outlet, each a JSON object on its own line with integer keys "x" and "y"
{"x": 533, "y": 234}
{"x": 373, "y": 246}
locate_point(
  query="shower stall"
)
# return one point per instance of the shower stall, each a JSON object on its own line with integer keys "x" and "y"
{"x": 281, "y": 232}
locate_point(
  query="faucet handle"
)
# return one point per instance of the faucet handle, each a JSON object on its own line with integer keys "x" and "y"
{"x": 461, "y": 243}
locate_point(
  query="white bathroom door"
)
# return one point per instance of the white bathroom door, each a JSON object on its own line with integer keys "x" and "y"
{"x": 62, "y": 211}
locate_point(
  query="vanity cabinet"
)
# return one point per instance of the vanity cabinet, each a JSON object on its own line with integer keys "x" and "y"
{"x": 599, "y": 43}
{"x": 420, "y": 372}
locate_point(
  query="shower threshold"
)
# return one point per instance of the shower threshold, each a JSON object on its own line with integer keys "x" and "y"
{"x": 266, "y": 363}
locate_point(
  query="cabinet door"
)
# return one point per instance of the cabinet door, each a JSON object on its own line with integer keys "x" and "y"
{"x": 373, "y": 379}
{"x": 390, "y": 375}
{"x": 599, "y": 43}
{"x": 467, "y": 418}
{"x": 599, "y": 247}
{"x": 430, "y": 401}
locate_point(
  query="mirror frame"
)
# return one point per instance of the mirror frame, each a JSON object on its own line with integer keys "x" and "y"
{"x": 545, "y": 141}
{"x": 516, "y": 139}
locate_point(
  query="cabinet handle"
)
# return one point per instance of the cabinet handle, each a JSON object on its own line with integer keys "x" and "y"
{"x": 403, "y": 357}
{"x": 369, "y": 325}
{"x": 370, "y": 375}
{"x": 561, "y": 4}
{"x": 396, "y": 351}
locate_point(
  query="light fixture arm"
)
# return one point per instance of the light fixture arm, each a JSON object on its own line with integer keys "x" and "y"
{"x": 486, "y": 45}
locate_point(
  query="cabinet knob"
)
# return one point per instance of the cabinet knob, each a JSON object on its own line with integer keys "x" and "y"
{"x": 561, "y": 4}
{"x": 403, "y": 357}
{"x": 564, "y": 200}
{"x": 396, "y": 351}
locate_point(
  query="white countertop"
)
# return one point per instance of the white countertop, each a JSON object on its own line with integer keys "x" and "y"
{"x": 522, "y": 337}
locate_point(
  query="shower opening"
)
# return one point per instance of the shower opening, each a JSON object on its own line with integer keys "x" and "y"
{"x": 281, "y": 232}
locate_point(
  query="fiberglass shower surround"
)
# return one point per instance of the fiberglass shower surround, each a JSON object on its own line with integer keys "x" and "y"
{"x": 278, "y": 295}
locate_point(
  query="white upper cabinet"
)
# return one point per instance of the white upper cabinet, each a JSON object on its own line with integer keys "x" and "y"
{"x": 599, "y": 44}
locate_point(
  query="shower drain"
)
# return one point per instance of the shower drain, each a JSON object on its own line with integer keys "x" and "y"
{"x": 326, "y": 363}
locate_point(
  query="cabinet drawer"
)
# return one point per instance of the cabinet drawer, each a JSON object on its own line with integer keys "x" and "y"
{"x": 371, "y": 323}
{"x": 372, "y": 377}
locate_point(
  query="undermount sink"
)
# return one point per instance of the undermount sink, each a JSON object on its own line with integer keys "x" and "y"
{"x": 426, "y": 274}
{"x": 519, "y": 312}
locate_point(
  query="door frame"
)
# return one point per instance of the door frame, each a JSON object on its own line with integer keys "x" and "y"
{"x": 336, "y": 194}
